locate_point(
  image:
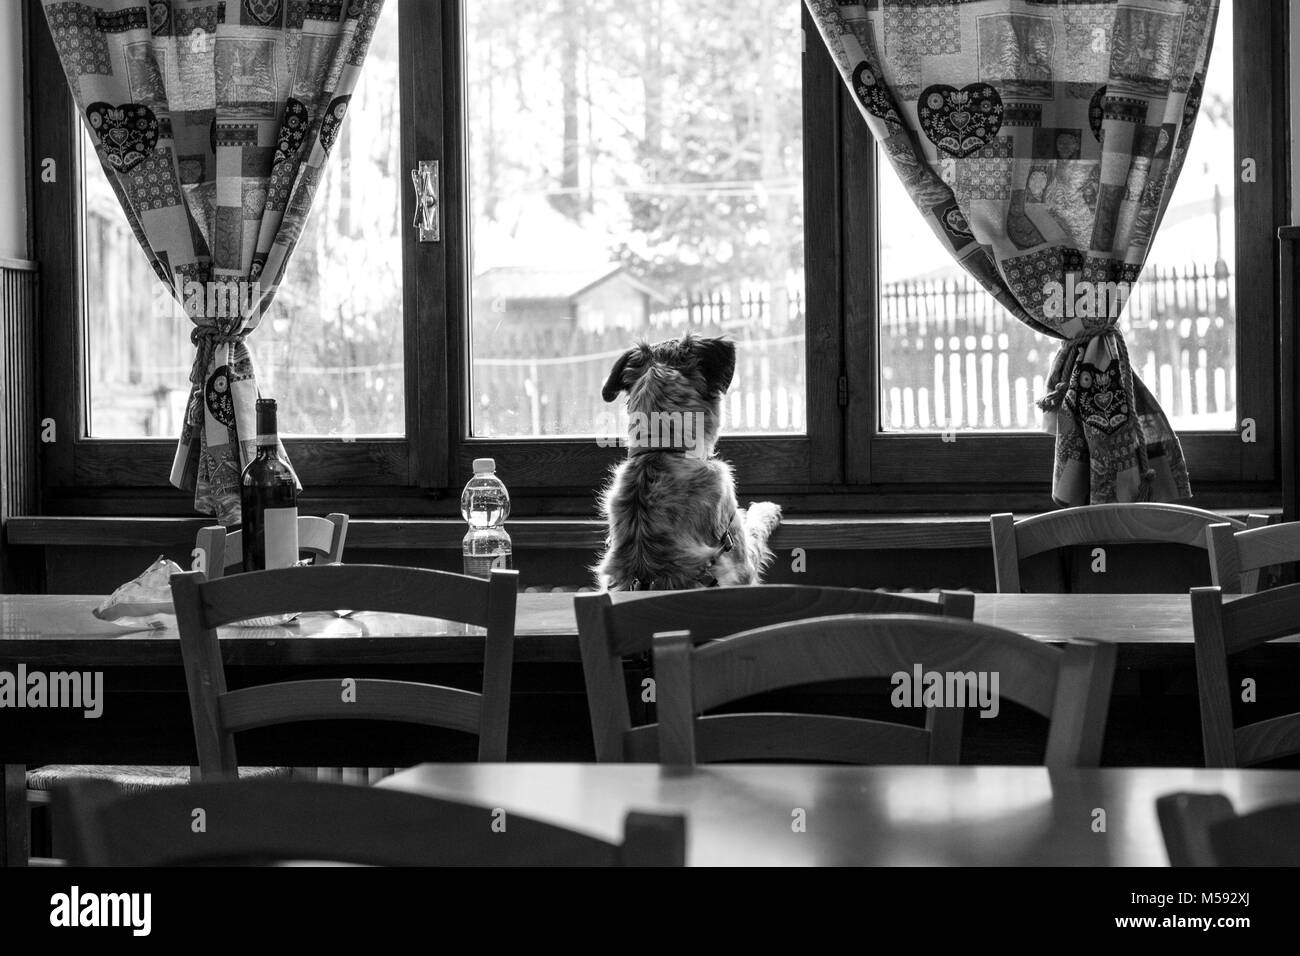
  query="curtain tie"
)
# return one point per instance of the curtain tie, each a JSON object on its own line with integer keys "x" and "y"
{"x": 1058, "y": 381}
{"x": 206, "y": 338}
{"x": 1087, "y": 335}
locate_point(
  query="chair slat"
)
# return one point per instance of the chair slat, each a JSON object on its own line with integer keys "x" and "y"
{"x": 1237, "y": 557}
{"x": 856, "y": 646}
{"x": 369, "y": 587}
{"x": 1118, "y": 523}
{"x": 361, "y": 699}
{"x": 1260, "y": 618}
{"x": 714, "y": 613}
{"x": 223, "y": 548}
{"x": 1267, "y": 739}
{"x": 295, "y": 820}
{"x": 816, "y": 738}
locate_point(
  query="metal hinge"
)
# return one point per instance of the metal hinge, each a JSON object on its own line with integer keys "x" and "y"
{"x": 425, "y": 180}
{"x": 844, "y": 390}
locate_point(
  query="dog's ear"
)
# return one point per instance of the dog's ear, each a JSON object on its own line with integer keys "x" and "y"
{"x": 614, "y": 384}
{"x": 717, "y": 362}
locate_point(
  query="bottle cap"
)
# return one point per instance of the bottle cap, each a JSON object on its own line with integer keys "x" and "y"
{"x": 484, "y": 466}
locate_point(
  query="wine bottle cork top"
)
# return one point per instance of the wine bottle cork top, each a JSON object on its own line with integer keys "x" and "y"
{"x": 484, "y": 466}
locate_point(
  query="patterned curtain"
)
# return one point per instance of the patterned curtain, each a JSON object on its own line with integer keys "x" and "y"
{"x": 213, "y": 120}
{"x": 1042, "y": 140}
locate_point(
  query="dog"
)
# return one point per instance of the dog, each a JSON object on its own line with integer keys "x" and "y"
{"x": 671, "y": 505}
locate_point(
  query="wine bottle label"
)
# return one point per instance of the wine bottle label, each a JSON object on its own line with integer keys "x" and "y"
{"x": 281, "y": 526}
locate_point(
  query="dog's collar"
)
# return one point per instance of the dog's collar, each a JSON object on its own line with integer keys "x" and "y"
{"x": 634, "y": 450}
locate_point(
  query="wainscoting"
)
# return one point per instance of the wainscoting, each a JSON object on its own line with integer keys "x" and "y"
{"x": 19, "y": 417}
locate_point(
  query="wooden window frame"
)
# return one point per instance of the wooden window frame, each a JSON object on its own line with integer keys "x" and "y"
{"x": 842, "y": 463}
{"x": 1214, "y": 459}
{"x": 78, "y": 466}
{"x": 579, "y": 463}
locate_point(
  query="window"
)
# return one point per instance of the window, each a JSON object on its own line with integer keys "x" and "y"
{"x": 945, "y": 363}
{"x": 952, "y": 358}
{"x": 610, "y": 172}
{"x": 635, "y": 171}
{"x": 328, "y": 349}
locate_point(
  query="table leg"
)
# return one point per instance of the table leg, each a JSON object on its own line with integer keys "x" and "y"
{"x": 13, "y": 808}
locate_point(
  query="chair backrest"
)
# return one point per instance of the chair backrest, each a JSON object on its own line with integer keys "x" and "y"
{"x": 256, "y": 821}
{"x": 1203, "y": 829}
{"x": 202, "y": 606}
{"x": 1222, "y": 630}
{"x": 610, "y": 630}
{"x": 1237, "y": 557}
{"x": 223, "y": 547}
{"x": 960, "y": 659}
{"x": 1124, "y": 523}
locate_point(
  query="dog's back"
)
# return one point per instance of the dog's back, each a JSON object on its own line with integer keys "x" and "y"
{"x": 664, "y": 522}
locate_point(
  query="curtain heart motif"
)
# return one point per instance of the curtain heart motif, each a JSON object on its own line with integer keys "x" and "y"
{"x": 127, "y": 133}
{"x": 960, "y": 122}
{"x": 873, "y": 94}
{"x": 1192, "y": 105}
{"x": 329, "y": 127}
{"x": 1097, "y": 112}
{"x": 217, "y": 395}
{"x": 1099, "y": 398}
{"x": 293, "y": 130}
{"x": 954, "y": 220}
{"x": 264, "y": 12}
{"x": 160, "y": 15}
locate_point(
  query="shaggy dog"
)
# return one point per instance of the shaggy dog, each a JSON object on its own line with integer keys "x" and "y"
{"x": 671, "y": 506}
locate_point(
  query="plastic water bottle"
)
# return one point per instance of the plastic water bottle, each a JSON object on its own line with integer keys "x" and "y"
{"x": 485, "y": 504}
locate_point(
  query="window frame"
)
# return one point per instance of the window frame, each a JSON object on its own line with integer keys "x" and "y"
{"x": 576, "y": 463}
{"x": 838, "y": 465}
{"x": 1213, "y": 458}
{"x": 77, "y": 462}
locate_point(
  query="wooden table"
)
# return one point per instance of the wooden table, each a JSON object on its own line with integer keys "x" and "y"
{"x": 148, "y": 721}
{"x": 45, "y": 631}
{"x": 743, "y": 815}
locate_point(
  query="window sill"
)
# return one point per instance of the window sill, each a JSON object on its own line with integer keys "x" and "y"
{"x": 874, "y": 533}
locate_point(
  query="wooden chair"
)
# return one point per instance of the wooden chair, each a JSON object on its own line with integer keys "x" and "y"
{"x": 220, "y": 548}
{"x": 608, "y": 631}
{"x": 1203, "y": 829}
{"x": 1238, "y": 557}
{"x": 1222, "y": 630}
{"x": 202, "y": 606}
{"x": 1070, "y": 686}
{"x": 1128, "y": 523}
{"x": 223, "y": 548}
{"x": 278, "y": 821}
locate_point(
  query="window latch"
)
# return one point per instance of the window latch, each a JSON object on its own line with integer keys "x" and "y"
{"x": 425, "y": 180}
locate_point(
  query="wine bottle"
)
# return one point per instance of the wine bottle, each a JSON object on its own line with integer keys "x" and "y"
{"x": 269, "y": 500}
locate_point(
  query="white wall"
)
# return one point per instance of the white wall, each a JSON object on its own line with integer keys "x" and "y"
{"x": 13, "y": 148}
